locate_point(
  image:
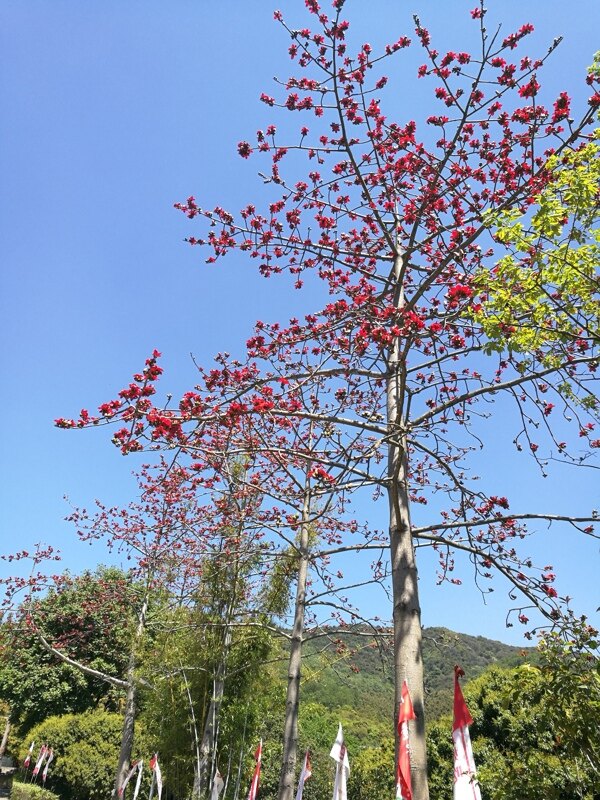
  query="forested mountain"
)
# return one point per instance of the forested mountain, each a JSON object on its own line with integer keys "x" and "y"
{"x": 356, "y": 670}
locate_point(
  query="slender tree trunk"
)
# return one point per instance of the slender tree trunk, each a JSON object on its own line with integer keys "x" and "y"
{"x": 127, "y": 731}
{"x": 208, "y": 743}
{"x": 129, "y": 715}
{"x": 408, "y": 661}
{"x": 238, "y": 780}
{"x": 4, "y": 741}
{"x": 198, "y": 768}
{"x": 290, "y": 731}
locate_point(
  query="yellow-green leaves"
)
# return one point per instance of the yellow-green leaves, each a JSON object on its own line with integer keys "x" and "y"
{"x": 543, "y": 294}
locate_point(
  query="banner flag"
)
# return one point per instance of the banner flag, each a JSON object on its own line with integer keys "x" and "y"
{"x": 45, "y": 772}
{"x": 304, "y": 775}
{"x": 40, "y": 760}
{"x": 217, "y": 787}
{"x": 253, "y": 793}
{"x": 27, "y": 761}
{"x": 465, "y": 782}
{"x": 135, "y": 765}
{"x": 156, "y": 775}
{"x": 405, "y": 714}
{"x": 138, "y": 783}
{"x": 342, "y": 770}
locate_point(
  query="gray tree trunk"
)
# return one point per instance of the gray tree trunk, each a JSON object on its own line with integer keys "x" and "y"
{"x": 127, "y": 731}
{"x": 4, "y": 741}
{"x": 208, "y": 742}
{"x": 198, "y": 767}
{"x": 292, "y": 703}
{"x": 408, "y": 661}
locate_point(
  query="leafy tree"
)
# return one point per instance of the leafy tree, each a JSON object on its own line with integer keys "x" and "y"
{"x": 372, "y": 771}
{"x": 570, "y": 691}
{"x": 459, "y": 253}
{"x": 535, "y": 731}
{"x": 199, "y": 686}
{"x": 86, "y": 620}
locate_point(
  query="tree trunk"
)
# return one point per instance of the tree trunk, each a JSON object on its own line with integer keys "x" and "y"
{"x": 127, "y": 731}
{"x": 129, "y": 715}
{"x": 207, "y": 745}
{"x": 4, "y": 741}
{"x": 198, "y": 767}
{"x": 290, "y": 730}
{"x": 408, "y": 660}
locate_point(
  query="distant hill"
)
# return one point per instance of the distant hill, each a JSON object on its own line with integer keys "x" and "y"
{"x": 355, "y": 670}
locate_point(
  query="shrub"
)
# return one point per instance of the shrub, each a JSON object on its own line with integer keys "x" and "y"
{"x": 29, "y": 791}
{"x": 86, "y": 748}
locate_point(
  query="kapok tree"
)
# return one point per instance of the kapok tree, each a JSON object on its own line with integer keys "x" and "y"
{"x": 460, "y": 254}
{"x": 270, "y": 493}
{"x": 225, "y": 536}
{"x": 283, "y": 495}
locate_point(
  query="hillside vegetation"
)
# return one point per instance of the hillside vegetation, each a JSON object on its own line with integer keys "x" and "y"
{"x": 360, "y": 674}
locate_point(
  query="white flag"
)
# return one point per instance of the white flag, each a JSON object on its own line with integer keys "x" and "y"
{"x": 40, "y": 760}
{"x": 465, "y": 782}
{"x": 136, "y": 791}
{"x": 28, "y": 756}
{"x": 342, "y": 770}
{"x": 217, "y": 787}
{"x": 137, "y": 765}
{"x": 156, "y": 774}
{"x": 304, "y": 775}
{"x": 45, "y": 772}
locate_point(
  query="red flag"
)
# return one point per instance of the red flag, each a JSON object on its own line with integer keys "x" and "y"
{"x": 465, "y": 782}
{"x": 405, "y": 713}
{"x": 252, "y": 794}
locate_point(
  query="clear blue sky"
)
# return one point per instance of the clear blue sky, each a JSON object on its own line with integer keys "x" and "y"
{"x": 113, "y": 111}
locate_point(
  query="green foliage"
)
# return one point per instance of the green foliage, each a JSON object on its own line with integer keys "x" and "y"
{"x": 570, "y": 691}
{"x": 86, "y": 748}
{"x": 29, "y": 791}
{"x": 372, "y": 772}
{"x": 88, "y": 619}
{"x": 544, "y": 292}
{"x": 535, "y": 731}
{"x": 440, "y": 758}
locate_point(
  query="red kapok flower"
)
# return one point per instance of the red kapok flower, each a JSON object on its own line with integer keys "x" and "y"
{"x": 530, "y": 89}
{"x": 562, "y": 107}
{"x": 244, "y": 149}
